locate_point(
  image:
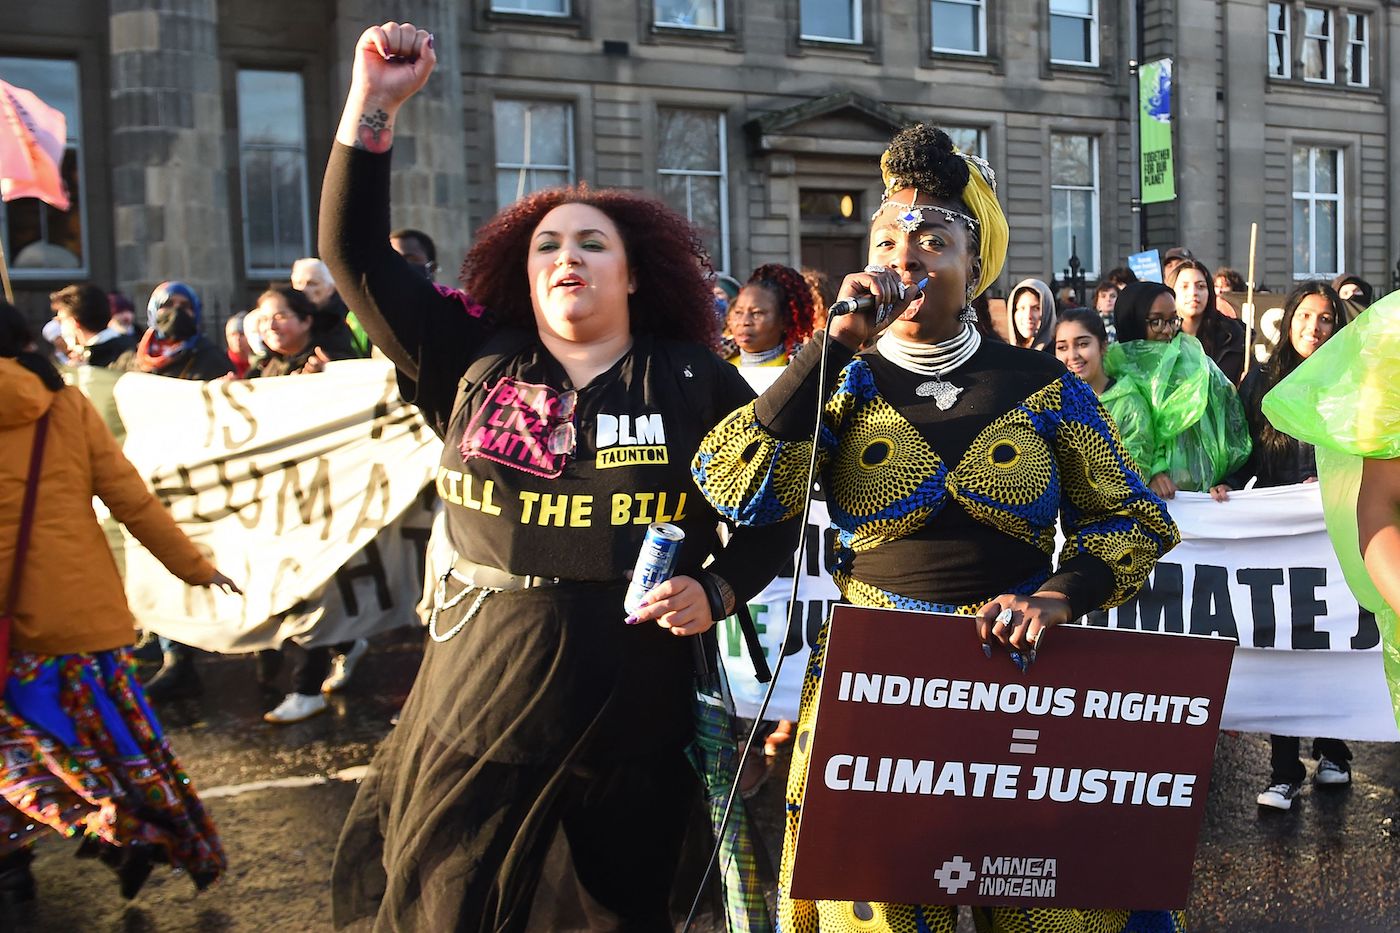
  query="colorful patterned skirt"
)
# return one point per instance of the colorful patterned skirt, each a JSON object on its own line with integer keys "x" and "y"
{"x": 82, "y": 753}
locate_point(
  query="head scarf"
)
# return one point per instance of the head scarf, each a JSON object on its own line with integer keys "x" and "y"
{"x": 1364, "y": 297}
{"x": 156, "y": 350}
{"x": 162, "y": 294}
{"x": 1044, "y": 335}
{"x": 1130, "y": 313}
{"x": 980, "y": 196}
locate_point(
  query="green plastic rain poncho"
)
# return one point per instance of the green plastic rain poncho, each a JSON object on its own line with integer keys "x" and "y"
{"x": 1176, "y": 412}
{"x": 1345, "y": 401}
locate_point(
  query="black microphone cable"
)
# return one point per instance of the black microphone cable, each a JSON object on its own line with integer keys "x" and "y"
{"x": 797, "y": 564}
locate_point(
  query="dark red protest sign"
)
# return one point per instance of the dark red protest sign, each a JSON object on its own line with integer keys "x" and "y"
{"x": 939, "y": 776}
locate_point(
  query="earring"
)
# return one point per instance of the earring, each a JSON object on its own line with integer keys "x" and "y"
{"x": 967, "y": 315}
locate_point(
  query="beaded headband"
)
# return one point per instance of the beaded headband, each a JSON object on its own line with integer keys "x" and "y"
{"x": 913, "y": 216}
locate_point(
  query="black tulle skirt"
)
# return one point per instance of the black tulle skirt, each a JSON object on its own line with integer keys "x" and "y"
{"x": 544, "y": 711}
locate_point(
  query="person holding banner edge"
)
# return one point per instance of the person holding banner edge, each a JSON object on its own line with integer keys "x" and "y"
{"x": 570, "y": 409}
{"x": 947, "y": 463}
{"x": 1345, "y": 400}
{"x": 1312, "y": 314}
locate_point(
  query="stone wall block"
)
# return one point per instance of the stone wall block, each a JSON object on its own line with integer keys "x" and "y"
{"x": 137, "y": 29}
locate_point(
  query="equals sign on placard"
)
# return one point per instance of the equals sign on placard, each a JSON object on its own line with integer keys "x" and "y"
{"x": 1023, "y": 741}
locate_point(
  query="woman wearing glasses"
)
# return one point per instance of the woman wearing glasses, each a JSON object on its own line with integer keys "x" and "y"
{"x": 1197, "y": 433}
{"x": 569, "y": 406}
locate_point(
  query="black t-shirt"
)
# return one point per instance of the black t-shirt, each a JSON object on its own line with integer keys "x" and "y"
{"x": 531, "y": 487}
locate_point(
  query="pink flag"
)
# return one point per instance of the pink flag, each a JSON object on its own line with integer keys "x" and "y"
{"x": 32, "y": 139}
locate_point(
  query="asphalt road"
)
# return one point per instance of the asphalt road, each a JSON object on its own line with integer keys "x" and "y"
{"x": 278, "y": 795}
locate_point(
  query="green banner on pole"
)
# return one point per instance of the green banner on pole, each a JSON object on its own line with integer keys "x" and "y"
{"x": 1155, "y": 131}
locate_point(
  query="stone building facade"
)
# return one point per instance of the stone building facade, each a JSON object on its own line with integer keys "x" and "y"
{"x": 200, "y": 128}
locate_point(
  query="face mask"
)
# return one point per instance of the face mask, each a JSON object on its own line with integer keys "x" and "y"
{"x": 174, "y": 324}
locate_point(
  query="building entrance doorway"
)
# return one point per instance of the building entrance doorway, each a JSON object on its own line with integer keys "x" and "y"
{"x": 834, "y": 256}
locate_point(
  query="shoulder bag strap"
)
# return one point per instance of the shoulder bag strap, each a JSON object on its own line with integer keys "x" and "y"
{"x": 26, "y": 520}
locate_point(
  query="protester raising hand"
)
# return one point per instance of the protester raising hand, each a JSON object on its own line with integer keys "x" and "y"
{"x": 392, "y": 62}
{"x": 316, "y": 362}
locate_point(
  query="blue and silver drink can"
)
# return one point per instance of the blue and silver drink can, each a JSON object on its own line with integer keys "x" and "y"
{"x": 656, "y": 562}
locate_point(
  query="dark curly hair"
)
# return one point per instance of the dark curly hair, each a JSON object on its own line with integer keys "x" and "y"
{"x": 1231, "y": 276}
{"x": 922, "y": 156}
{"x": 794, "y": 297}
{"x": 664, "y": 252}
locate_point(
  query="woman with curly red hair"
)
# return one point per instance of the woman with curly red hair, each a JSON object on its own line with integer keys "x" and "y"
{"x": 771, "y": 317}
{"x": 570, "y": 392}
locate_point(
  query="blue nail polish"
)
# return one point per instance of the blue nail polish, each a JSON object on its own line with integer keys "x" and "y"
{"x": 987, "y": 649}
{"x": 430, "y": 40}
{"x": 1019, "y": 661}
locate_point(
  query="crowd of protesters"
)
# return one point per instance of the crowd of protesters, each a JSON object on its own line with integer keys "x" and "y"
{"x": 1138, "y": 345}
{"x": 1170, "y": 361}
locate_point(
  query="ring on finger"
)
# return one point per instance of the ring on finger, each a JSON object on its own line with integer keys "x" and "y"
{"x": 874, "y": 269}
{"x": 1004, "y": 617}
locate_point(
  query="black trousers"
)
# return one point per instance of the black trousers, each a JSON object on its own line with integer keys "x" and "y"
{"x": 309, "y": 672}
{"x": 1287, "y": 768}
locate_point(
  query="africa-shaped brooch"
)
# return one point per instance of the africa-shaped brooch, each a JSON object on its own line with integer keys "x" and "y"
{"x": 944, "y": 394}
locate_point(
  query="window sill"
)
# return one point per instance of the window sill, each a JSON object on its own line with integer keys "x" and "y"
{"x": 1300, "y": 84}
{"x": 572, "y": 24}
{"x": 969, "y": 61}
{"x": 835, "y": 48}
{"x": 64, "y": 276}
{"x": 1056, "y": 69}
{"x": 693, "y": 36}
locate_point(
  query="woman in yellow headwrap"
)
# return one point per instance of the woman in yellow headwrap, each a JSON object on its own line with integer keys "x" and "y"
{"x": 947, "y": 462}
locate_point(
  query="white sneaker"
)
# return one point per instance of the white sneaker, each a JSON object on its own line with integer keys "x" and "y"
{"x": 1330, "y": 773}
{"x": 343, "y": 666}
{"x": 295, "y": 707}
{"x": 1279, "y": 796}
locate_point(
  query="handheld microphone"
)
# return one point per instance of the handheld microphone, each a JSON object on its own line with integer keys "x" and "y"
{"x": 863, "y": 302}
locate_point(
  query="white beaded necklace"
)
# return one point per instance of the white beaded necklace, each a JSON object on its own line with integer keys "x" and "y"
{"x": 933, "y": 359}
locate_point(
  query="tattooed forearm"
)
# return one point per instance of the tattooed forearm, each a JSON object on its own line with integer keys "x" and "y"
{"x": 376, "y": 132}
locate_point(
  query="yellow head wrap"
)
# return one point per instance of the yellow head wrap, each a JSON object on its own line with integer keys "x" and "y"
{"x": 980, "y": 196}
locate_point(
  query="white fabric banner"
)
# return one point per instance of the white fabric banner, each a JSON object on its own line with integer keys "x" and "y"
{"x": 309, "y": 492}
{"x": 1259, "y": 569}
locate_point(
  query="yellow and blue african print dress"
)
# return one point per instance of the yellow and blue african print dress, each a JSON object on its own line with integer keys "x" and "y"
{"x": 942, "y": 510}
